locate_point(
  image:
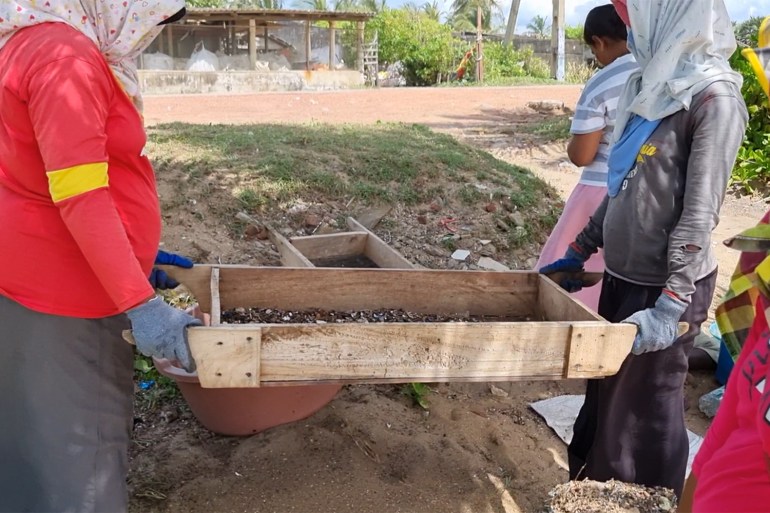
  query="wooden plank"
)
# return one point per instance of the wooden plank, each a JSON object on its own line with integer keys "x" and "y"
{"x": 334, "y": 245}
{"x": 216, "y": 308}
{"x": 226, "y": 358}
{"x": 500, "y": 294}
{"x": 556, "y": 304}
{"x": 429, "y": 352}
{"x": 197, "y": 280}
{"x": 252, "y": 44}
{"x": 598, "y": 349}
{"x": 378, "y": 251}
{"x": 290, "y": 256}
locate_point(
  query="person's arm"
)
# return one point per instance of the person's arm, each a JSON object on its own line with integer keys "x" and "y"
{"x": 718, "y": 128}
{"x": 582, "y": 148}
{"x": 591, "y": 238}
{"x": 68, "y": 106}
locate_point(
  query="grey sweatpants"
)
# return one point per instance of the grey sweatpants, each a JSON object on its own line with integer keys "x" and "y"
{"x": 65, "y": 412}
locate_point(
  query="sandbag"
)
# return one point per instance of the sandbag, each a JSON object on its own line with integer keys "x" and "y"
{"x": 202, "y": 60}
{"x": 157, "y": 61}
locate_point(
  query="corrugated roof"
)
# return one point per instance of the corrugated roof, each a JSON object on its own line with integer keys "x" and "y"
{"x": 206, "y": 12}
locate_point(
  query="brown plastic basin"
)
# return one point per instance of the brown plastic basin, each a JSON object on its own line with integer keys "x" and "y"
{"x": 246, "y": 411}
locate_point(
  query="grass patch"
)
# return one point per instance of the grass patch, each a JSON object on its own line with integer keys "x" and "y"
{"x": 267, "y": 166}
{"x": 553, "y": 129}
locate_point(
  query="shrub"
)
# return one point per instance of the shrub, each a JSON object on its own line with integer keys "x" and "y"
{"x": 423, "y": 45}
{"x": 752, "y": 167}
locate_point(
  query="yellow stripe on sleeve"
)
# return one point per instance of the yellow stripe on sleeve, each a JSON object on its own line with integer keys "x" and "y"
{"x": 73, "y": 181}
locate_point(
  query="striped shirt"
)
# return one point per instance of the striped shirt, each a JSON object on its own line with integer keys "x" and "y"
{"x": 596, "y": 111}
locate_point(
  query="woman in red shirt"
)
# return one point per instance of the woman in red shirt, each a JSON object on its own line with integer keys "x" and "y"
{"x": 79, "y": 234}
{"x": 731, "y": 472}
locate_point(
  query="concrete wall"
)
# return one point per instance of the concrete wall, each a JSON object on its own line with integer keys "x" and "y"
{"x": 187, "y": 82}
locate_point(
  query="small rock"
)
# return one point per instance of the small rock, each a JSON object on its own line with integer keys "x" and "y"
{"x": 484, "y": 242}
{"x": 497, "y": 392}
{"x": 251, "y": 232}
{"x": 325, "y": 229}
{"x": 488, "y": 251}
{"x": 508, "y": 204}
{"x": 461, "y": 255}
{"x": 492, "y": 265}
{"x": 312, "y": 220}
{"x": 263, "y": 234}
{"x": 435, "y": 251}
{"x": 435, "y": 207}
{"x": 502, "y": 225}
{"x": 516, "y": 218}
{"x": 531, "y": 263}
{"x": 491, "y": 208}
{"x": 422, "y": 219}
{"x": 372, "y": 217}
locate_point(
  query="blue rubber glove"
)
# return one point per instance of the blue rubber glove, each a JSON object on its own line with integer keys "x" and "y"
{"x": 658, "y": 326}
{"x": 159, "y": 279}
{"x": 160, "y": 331}
{"x": 572, "y": 262}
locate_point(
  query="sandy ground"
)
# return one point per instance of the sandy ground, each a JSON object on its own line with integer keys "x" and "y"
{"x": 371, "y": 450}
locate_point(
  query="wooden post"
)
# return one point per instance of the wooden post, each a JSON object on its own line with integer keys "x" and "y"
{"x": 360, "y": 46}
{"x": 332, "y": 44}
{"x": 170, "y": 37}
{"x": 512, "y": 17}
{"x": 266, "y": 40}
{"x": 308, "y": 45}
{"x": 557, "y": 40}
{"x": 253, "y": 43}
{"x": 479, "y": 47}
{"x": 231, "y": 37}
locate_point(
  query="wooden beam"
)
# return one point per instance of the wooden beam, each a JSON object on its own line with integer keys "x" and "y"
{"x": 290, "y": 256}
{"x": 226, "y": 358}
{"x": 170, "y": 36}
{"x": 308, "y": 45}
{"x": 378, "y": 251}
{"x": 498, "y": 294}
{"x": 401, "y": 353}
{"x": 360, "y": 46}
{"x": 253, "y": 43}
{"x": 267, "y": 40}
{"x": 332, "y": 44}
{"x": 216, "y": 306}
{"x": 555, "y": 304}
{"x": 334, "y": 245}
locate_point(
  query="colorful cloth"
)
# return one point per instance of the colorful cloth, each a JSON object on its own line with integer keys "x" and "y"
{"x": 121, "y": 30}
{"x": 751, "y": 279}
{"x": 80, "y": 216}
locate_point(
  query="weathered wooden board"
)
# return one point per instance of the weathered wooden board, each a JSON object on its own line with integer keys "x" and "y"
{"x": 333, "y": 245}
{"x": 290, "y": 256}
{"x": 509, "y": 295}
{"x": 378, "y": 251}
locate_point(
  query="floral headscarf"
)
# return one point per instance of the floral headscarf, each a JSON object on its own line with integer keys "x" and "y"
{"x": 122, "y": 29}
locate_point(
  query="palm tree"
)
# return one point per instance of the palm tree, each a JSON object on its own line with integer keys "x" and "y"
{"x": 432, "y": 10}
{"x": 374, "y": 6}
{"x": 539, "y": 27}
{"x": 464, "y": 14}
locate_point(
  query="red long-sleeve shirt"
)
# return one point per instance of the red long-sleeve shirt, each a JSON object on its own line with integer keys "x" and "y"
{"x": 732, "y": 466}
{"x": 79, "y": 213}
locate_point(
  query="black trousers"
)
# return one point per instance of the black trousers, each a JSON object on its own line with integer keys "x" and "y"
{"x": 66, "y": 405}
{"x": 631, "y": 427}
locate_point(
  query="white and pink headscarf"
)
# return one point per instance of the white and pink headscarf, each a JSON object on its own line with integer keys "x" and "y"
{"x": 122, "y": 29}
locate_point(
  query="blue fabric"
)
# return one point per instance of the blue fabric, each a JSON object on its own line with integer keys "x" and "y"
{"x": 623, "y": 155}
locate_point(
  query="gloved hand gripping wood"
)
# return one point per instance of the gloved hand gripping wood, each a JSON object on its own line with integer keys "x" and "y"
{"x": 160, "y": 331}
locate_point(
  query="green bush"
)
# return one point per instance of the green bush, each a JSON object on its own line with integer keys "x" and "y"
{"x": 501, "y": 61}
{"x": 423, "y": 45}
{"x": 752, "y": 167}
